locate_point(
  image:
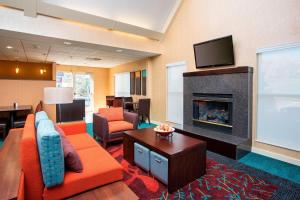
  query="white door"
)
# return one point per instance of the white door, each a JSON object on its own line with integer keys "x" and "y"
{"x": 175, "y": 92}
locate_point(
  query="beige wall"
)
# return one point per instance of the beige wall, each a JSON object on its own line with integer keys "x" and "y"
{"x": 253, "y": 24}
{"x": 131, "y": 67}
{"x": 25, "y": 92}
{"x": 100, "y": 77}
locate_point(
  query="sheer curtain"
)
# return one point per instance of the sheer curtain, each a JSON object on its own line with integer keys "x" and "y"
{"x": 122, "y": 84}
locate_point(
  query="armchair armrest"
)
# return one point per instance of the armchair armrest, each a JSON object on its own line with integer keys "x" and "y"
{"x": 73, "y": 128}
{"x": 131, "y": 118}
{"x": 100, "y": 127}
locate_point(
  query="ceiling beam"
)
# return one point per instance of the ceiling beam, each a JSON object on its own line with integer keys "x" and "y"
{"x": 30, "y": 8}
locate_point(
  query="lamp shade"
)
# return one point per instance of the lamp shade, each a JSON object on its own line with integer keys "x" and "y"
{"x": 55, "y": 95}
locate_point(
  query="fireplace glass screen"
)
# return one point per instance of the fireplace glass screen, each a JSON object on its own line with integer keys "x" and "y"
{"x": 213, "y": 112}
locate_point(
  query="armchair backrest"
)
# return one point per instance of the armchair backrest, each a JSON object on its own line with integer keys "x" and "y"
{"x": 30, "y": 161}
{"x": 112, "y": 114}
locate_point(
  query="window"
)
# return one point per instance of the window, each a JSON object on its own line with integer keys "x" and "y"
{"x": 175, "y": 92}
{"x": 82, "y": 84}
{"x": 278, "y": 121}
{"x": 122, "y": 84}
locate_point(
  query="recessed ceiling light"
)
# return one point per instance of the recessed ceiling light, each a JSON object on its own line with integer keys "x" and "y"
{"x": 119, "y": 50}
{"x": 9, "y": 47}
{"x": 67, "y": 43}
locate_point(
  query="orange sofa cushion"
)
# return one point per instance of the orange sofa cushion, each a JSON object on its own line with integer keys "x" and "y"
{"x": 82, "y": 141}
{"x": 99, "y": 168}
{"x": 30, "y": 162}
{"x": 112, "y": 114}
{"x": 117, "y": 126}
{"x": 73, "y": 128}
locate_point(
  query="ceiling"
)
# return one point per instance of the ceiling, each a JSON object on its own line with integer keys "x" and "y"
{"x": 149, "y": 18}
{"x": 31, "y": 48}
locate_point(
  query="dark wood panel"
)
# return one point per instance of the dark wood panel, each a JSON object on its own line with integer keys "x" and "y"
{"x": 10, "y": 166}
{"x": 144, "y": 82}
{"x": 232, "y": 70}
{"x": 132, "y": 83}
{"x": 138, "y": 82}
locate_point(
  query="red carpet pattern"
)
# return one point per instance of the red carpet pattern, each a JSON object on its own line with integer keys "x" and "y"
{"x": 219, "y": 182}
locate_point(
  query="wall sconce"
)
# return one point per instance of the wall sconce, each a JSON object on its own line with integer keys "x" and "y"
{"x": 42, "y": 71}
{"x": 17, "y": 69}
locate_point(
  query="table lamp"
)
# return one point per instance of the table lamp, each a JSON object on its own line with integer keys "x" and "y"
{"x": 55, "y": 95}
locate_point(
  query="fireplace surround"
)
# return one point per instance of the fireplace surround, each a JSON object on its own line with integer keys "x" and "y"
{"x": 218, "y": 109}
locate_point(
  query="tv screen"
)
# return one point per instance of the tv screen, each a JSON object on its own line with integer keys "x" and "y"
{"x": 218, "y": 52}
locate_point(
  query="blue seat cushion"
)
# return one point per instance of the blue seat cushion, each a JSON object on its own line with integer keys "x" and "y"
{"x": 42, "y": 115}
{"x": 50, "y": 153}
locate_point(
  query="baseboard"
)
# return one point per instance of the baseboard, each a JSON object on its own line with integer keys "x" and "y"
{"x": 156, "y": 122}
{"x": 276, "y": 156}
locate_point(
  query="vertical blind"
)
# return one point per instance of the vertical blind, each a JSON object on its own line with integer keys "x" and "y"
{"x": 122, "y": 84}
{"x": 278, "y": 114}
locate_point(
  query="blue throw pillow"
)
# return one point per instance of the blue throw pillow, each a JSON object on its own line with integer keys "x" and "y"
{"x": 51, "y": 154}
{"x": 42, "y": 115}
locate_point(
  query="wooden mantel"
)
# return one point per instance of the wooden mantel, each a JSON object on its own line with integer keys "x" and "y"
{"x": 214, "y": 71}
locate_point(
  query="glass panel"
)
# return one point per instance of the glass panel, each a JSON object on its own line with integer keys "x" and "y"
{"x": 84, "y": 89}
{"x": 212, "y": 111}
{"x": 64, "y": 79}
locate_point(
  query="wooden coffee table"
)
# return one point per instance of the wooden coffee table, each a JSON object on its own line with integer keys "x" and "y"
{"x": 186, "y": 155}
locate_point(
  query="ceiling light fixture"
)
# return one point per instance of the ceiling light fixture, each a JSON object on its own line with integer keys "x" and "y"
{"x": 9, "y": 47}
{"x": 119, "y": 50}
{"x": 67, "y": 43}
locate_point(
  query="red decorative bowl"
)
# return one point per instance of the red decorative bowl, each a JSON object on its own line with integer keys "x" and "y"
{"x": 164, "y": 133}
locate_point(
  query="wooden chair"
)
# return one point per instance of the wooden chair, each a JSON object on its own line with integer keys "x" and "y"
{"x": 118, "y": 102}
{"x": 144, "y": 109}
{"x": 128, "y": 103}
{"x": 109, "y": 101}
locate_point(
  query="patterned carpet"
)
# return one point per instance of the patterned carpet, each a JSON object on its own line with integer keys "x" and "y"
{"x": 219, "y": 182}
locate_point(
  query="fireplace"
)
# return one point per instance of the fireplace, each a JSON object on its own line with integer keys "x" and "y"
{"x": 212, "y": 109}
{"x": 218, "y": 109}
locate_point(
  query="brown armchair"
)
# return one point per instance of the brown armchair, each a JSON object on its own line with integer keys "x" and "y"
{"x": 110, "y": 123}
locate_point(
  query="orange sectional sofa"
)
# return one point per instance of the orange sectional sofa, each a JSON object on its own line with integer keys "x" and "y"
{"x": 99, "y": 167}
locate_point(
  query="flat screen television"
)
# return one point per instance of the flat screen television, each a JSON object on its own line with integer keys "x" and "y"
{"x": 217, "y": 52}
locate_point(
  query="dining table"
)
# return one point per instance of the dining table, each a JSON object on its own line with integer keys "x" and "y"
{"x": 12, "y": 110}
